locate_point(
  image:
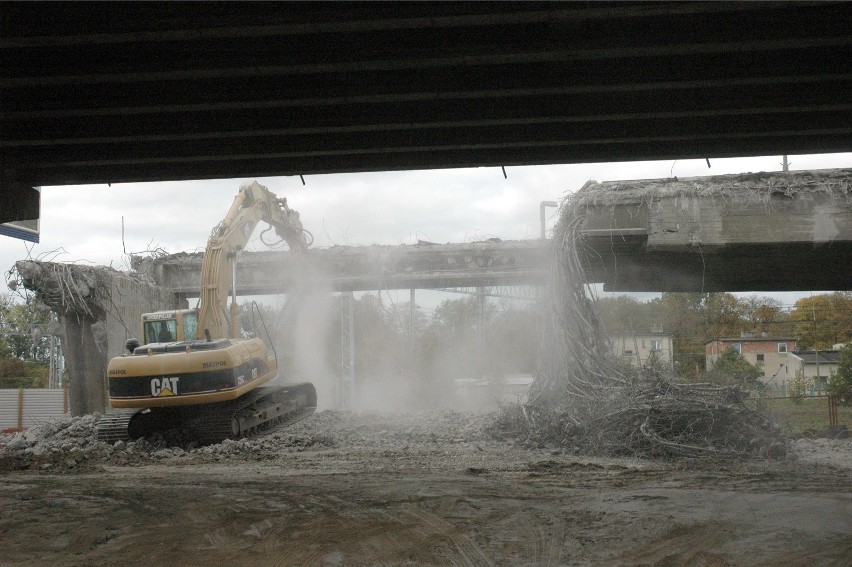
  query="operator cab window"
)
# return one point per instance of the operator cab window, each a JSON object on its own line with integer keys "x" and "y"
{"x": 160, "y": 331}
{"x": 190, "y": 326}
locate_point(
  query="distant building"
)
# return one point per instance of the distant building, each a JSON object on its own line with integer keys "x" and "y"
{"x": 637, "y": 348}
{"x": 771, "y": 354}
{"x": 817, "y": 366}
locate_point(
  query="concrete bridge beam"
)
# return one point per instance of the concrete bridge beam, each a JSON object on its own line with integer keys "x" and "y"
{"x": 364, "y": 268}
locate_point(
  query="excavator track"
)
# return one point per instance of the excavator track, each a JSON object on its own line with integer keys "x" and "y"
{"x": 260, "y": 412}
{"x": 112, "y": 426}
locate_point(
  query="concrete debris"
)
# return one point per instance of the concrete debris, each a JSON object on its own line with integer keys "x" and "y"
{"x": 836, "y": 452}
{"x": 71, "y": 443}
{"x": 741, "y": 188}
{"x": 424, "y": 441}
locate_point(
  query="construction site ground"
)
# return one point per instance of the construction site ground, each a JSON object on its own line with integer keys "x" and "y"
{"x": 416, "y": 489}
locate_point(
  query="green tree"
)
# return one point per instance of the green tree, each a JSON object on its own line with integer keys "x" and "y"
{"x": 840, "y": 382}
{"x": 682, "y": 315}
{"x": 452, "y": 339}
{"x": 512, "y": 342}
{"x": 625, "y": 314}
{"x": 16, "y": 373}
{"x": 764, "y": 314}
{"x": 24, "y": 344}
{"x": 722, "y": 315}
{"x": 693, "y": 319}
{"x": 458, "y": 317}
{"x": 381, "y": 345}
{"x": 797, "y": 387}
{"x": 732, "y": 369}
{"x": 821, "y": 321}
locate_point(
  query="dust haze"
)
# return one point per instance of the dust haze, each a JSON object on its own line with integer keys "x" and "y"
{"x": 399, "y": 378}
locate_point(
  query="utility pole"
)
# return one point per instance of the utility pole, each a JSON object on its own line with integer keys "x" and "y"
{"x": 480, "y": 330}
{"x": 816, "y": 349}
{"x": 412, "y": 312}
{"x": 541, "y": 215}
{"x": 347, "y": 349}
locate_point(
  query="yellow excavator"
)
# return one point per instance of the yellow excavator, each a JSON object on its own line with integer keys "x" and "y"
{"x": 194, "y": 372}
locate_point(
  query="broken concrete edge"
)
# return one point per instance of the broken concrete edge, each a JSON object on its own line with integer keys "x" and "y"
{"x": 98, "y": 309}
{"x": 145, "y": 264}
{"x": 73, "y": 288}
{"x": 739, "y": 189}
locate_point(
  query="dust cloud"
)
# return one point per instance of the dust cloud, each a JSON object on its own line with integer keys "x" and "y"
{"x": 305, "y": 323}
{"x": 391, "y": 373}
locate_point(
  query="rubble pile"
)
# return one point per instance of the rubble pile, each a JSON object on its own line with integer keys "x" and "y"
{"x": 585, "y": 399}
{"x": 71, "y": 443}
{"x": 65, "y": 443}
{"x": 836, "y": 452}
{"x": 661, "y": 419}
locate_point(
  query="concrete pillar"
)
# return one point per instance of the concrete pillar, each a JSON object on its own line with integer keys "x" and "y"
{"x": 98, "y": 309}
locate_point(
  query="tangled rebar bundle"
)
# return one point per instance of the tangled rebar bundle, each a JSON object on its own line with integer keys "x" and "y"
{"x": 585, "y": 398}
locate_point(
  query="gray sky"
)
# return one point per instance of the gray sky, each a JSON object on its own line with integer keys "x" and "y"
{"x": 98, "y": 224}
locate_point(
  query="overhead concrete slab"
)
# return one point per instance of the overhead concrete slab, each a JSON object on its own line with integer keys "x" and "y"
{"x": 746, "y": 232}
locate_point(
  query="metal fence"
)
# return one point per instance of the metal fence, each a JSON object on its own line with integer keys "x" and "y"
{"x": 25, "y": 407}
{"x": 782, "y": 391}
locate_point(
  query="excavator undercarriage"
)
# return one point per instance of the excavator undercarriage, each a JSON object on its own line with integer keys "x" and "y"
{"x": 260, "y": 412}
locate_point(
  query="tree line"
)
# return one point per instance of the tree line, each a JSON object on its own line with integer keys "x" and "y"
{"x": 24, "y": 343}
{"x": 448, "y": 344}
{"x": 819, "y": 321}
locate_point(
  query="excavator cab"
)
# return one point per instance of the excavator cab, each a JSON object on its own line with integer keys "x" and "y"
{"x": 170, "y": 326}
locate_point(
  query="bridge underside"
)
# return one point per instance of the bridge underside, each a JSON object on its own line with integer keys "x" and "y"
{"x": 767, "y": 267}
{"x": 96, "y": 92}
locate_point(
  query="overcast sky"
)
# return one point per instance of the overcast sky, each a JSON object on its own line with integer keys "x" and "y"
{"x": 99, "y": 224}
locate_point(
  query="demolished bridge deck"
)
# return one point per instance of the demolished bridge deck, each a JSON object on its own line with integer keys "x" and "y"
{"x": 746, "y": 232}
{"x": 425, "y": 265}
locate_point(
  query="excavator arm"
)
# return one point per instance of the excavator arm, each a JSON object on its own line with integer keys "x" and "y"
{"x": 254, "y": 203}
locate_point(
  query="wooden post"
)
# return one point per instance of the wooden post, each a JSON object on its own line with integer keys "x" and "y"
{"x": 832, "y": 411}
{"x": 20, "y": 409}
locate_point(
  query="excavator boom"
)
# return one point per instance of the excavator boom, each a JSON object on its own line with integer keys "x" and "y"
{"x": 253, "y": 203}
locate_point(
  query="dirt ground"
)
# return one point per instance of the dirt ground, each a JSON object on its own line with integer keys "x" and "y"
{"x": 424, "y": 489}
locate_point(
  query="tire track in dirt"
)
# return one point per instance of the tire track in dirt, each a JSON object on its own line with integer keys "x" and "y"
{"x": 831, "y": 553}
{"x": 545, "y": 550}
{"x": 683, "y": 546}
{"x": 342, "y": 530}
{"x": 467, "y": 553}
